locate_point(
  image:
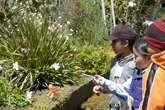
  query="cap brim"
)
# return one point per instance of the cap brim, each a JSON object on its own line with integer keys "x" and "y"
{"x": 110, "y": 37}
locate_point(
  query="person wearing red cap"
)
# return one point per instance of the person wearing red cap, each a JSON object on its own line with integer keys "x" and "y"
{"x": 122, "y": 65}
{"x": 153, "y": 84}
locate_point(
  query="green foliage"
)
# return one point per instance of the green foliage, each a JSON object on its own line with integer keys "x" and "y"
{"x": 45, "y": 103}
{"x": 13, "y": 10}
{"x": 96, "y": 102}
{"x": 93, "y": 59}
{"x": 85, "y": 20}
{"x": 133, "y": 16}
{"x": 159, "y": 13}
{"x": 36, "y": 49}
{"x": 9, "y": 96}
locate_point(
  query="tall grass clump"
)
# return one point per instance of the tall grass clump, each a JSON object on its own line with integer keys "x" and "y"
{"x": 33, "y": 54}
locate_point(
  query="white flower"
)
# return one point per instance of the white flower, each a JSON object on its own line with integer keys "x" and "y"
{"x": 71, "y": 30}
{"x": 14, "y": 7}
{"x": 68, "y": 22}
{"x": 15, "y": 65}
{"x": 40, "y": 23}
{"x": 67, "y": 37}
{"x": 0, "y": 67}
{"x": 60, "y": 36}
{"x": 39, "y": 14}
{"x": 131, "y": 4}
{"x": 60, "y": 26}
{"x": 49, "y": 27}
{"x": 70, "y": 34}
{"x": 147, "y": 22}
{"x": 28, "y": 94}
{"x": 59, "y": 17}
{"x": 56, "y": 66}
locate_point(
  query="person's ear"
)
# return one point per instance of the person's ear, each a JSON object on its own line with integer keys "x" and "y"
{"x": 149, "y": 57}
{"x": 126, "y": 43}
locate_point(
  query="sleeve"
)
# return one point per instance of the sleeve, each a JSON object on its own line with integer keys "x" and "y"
{"x": 112, "y": 87}
{"x": 130, "y": 70}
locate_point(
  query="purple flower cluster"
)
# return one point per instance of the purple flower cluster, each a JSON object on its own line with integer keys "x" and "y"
{"x": 25, "y": 50}
{"x": 24, "y": 39}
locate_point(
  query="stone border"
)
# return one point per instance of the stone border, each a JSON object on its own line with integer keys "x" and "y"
{"x": 79, "y": 96}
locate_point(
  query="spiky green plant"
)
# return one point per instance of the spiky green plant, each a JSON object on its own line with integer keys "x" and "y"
{"x": 36, "y": 48}
{"x": 8, "y": 96}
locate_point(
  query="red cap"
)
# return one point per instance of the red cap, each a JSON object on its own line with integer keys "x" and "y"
{"x": 155, "y": 34}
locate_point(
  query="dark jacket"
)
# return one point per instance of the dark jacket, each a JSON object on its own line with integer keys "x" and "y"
{"x": 136, "y": 89}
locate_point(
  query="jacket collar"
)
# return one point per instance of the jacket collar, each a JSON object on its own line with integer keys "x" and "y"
{"x": 125, "y": 60}
{"x": 139, "y": 73}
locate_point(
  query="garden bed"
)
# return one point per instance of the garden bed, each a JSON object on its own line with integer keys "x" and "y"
{"x": 79, "y": 95}
{"x": 71, "y": 97}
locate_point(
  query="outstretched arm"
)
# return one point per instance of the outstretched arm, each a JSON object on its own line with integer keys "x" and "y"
{"x": 112, "y": 87}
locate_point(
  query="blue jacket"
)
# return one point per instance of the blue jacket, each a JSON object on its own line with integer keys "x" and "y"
{"x": 136, "y": 89}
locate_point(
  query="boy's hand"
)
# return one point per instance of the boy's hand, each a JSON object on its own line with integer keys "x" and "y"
{"x": 97, "y": 90}
{"x": 96, "y": 79}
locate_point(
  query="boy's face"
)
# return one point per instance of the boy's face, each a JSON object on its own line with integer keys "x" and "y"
{"x": 117, "y": 46}
{"x": 152, "y": 50}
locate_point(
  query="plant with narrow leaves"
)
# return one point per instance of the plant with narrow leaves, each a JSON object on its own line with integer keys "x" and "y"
{"x": 9, "y": 96}
{"x": 44, "y": 49}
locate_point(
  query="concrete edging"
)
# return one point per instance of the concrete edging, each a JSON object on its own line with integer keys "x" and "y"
{"x": 79, "y": 95}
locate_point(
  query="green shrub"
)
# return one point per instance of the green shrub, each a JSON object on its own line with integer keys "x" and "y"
{"x": 36, "y": 48}
{"x": 93, "y": 59}
{"x": 8, "y": 96}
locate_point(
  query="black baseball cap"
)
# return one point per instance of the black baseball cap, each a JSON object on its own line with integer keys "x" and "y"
{"x": 121, "y": 31}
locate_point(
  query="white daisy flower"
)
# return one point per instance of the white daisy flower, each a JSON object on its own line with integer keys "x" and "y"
{"x": 131, "y": 4}
{"x": 68, "y": 22}
{"x": 28, "y": 94}
{"x": 148, "y": 23}
{"x": 71, "y": 30}
{"x": 15, "y": 65}
{"x": 40, "y": 23}
{"x": 67, "y": 37}
{"x": 59, "y": 17}
{"x": 56, "y": 66}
